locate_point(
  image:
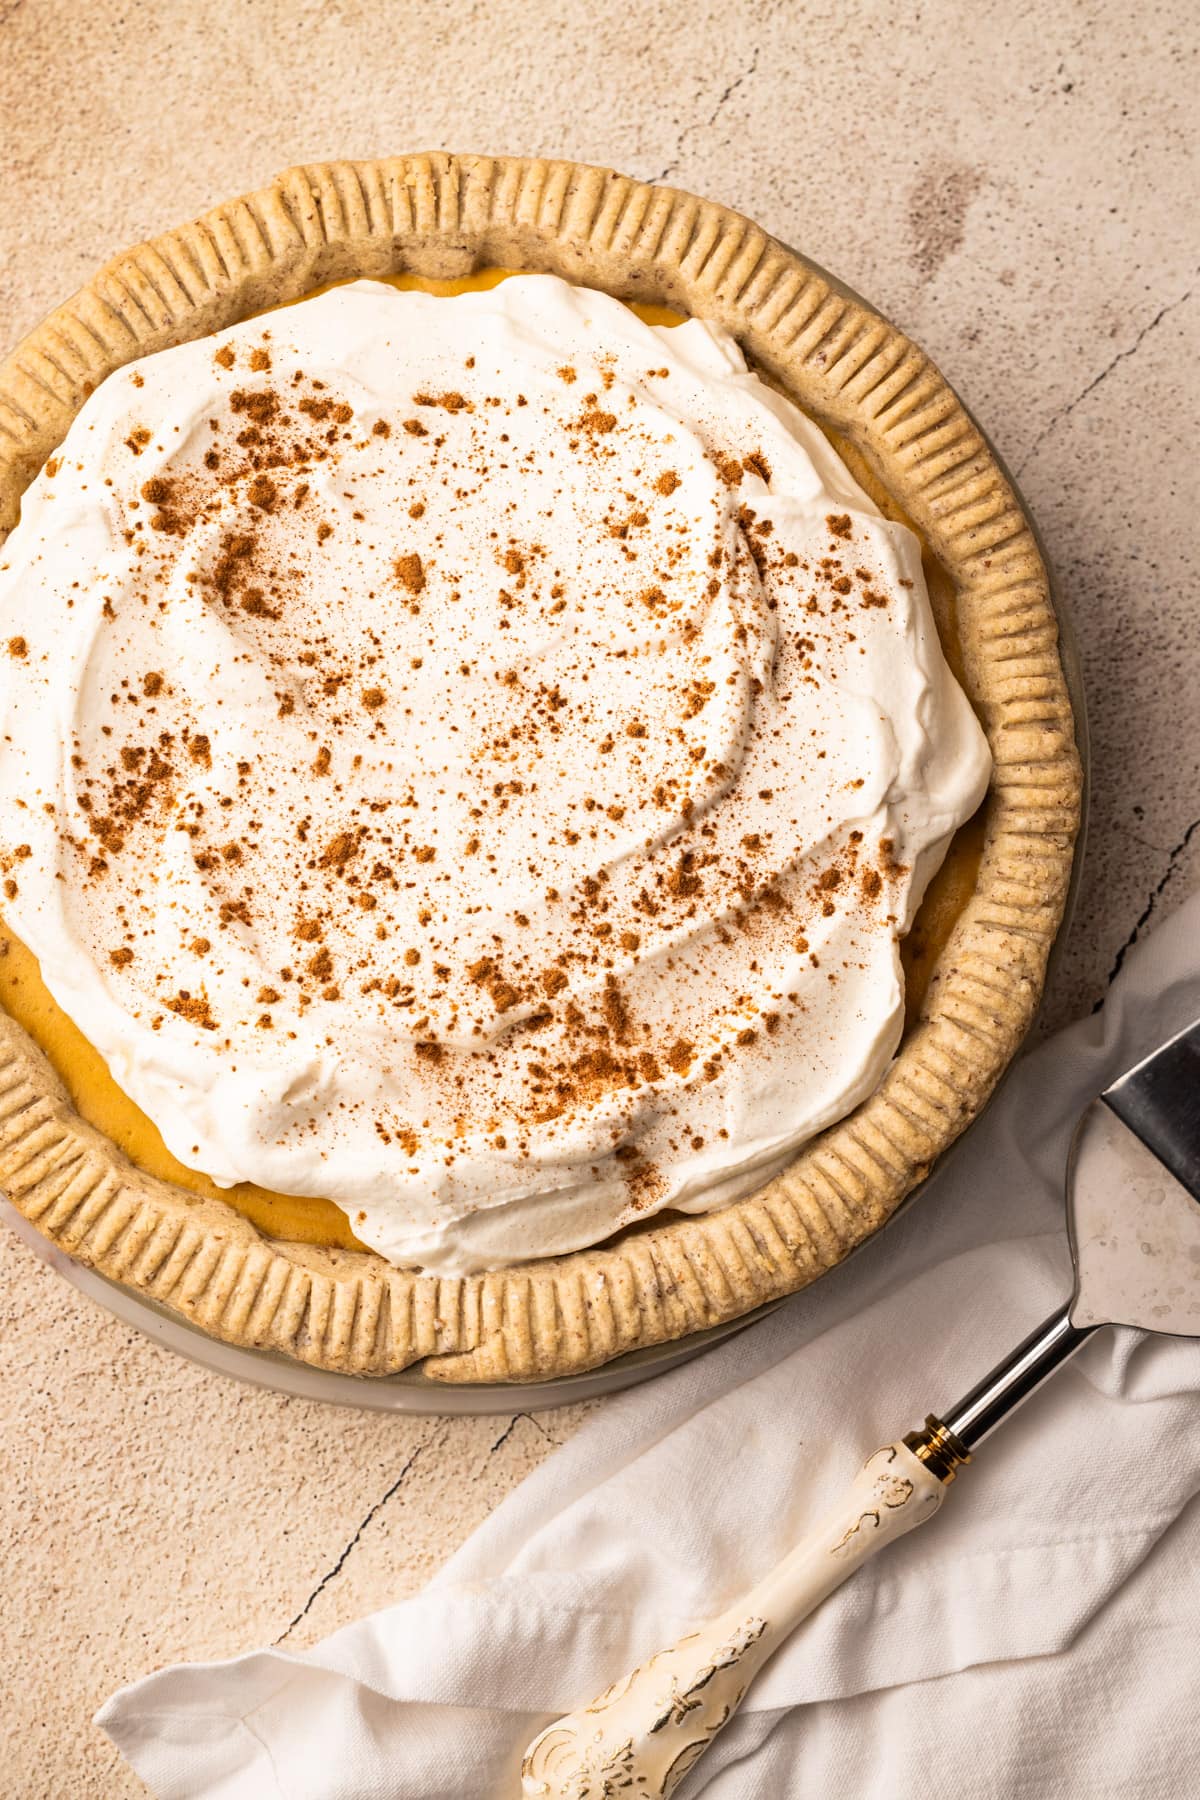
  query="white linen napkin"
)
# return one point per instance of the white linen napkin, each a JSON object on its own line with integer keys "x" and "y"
{"x": 1038, "y": 1638}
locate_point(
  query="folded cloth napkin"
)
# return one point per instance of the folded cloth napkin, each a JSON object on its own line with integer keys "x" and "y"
{"x": 1039, "y": 1638}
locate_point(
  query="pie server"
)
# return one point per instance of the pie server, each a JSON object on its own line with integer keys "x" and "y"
{"x": 1133, "y": 1182}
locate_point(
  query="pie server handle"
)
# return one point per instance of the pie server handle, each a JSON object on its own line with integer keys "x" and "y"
{"x": 649, "y": 1728}
{"x": 645, "y": 1732}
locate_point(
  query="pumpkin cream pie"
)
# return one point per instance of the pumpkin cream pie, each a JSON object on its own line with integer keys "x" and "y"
{"x": 536, "y": 782}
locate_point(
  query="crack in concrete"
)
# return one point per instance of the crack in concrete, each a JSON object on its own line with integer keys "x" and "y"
{"x": 1064, "y": 412}
{"x": 705, "y": 124}
{"x": 512, "y": 1426}
{"x": 1156, "y": 893}
{"x": 340, "y": 1564}
{"x": 1144, "y": 843}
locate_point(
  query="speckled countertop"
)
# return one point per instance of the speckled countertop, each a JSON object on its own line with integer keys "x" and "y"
{"x": 1012, "y": 186}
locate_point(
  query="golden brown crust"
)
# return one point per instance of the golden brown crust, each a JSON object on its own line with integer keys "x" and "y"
{"x": 441, "y": 215}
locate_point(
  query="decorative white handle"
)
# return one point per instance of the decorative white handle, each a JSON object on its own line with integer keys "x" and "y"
{"x": 640, "y": 1738}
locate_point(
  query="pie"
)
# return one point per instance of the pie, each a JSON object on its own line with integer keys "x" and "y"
{"x": 504, "y": 665}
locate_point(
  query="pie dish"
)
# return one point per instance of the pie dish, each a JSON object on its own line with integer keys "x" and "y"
{"x": 909, "y": 442}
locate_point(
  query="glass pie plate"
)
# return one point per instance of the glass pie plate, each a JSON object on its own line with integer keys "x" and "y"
{"x": 411, "y": 1391}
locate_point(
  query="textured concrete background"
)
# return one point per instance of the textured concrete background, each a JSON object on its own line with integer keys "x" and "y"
{"x": 1010, "y": 185}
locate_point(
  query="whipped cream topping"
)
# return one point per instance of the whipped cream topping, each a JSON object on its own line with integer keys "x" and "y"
{"x": 472, "y": 758}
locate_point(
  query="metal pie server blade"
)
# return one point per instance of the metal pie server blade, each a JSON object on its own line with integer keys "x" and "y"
{"x": 1159, "y": 1100}
{"x": 1133, "y": 1192}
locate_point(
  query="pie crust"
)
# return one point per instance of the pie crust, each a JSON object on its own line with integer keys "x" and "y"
{"x": 442, "y": 216}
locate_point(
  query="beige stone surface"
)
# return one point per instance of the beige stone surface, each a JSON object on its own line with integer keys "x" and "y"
{"x": 1012, "y": 186}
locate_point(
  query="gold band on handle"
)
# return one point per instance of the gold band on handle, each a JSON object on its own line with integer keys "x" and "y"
{"x": 938, "y": 1448}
